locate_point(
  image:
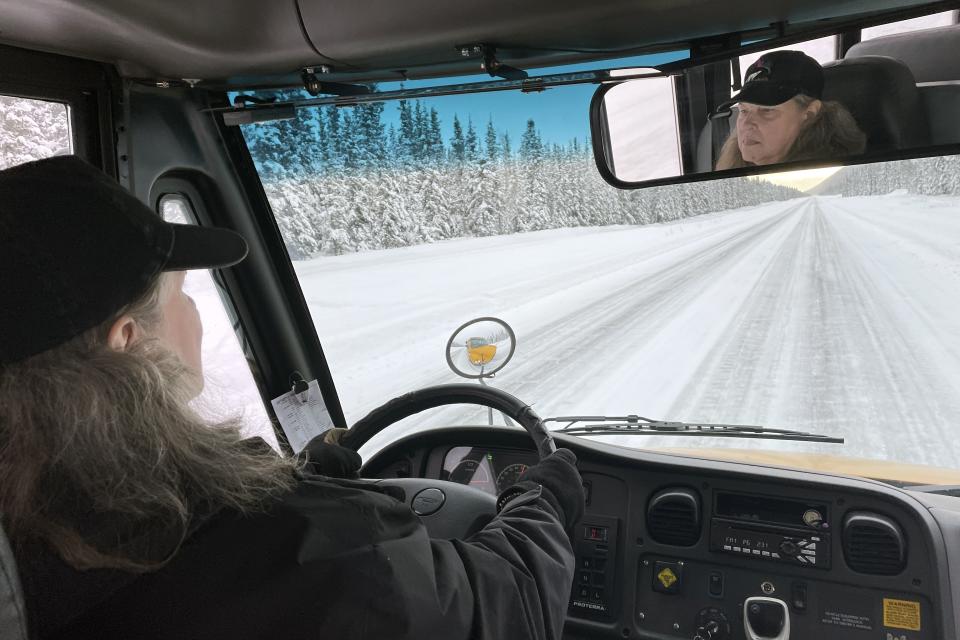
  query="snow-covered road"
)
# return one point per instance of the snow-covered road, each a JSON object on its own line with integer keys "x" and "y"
{"x": 833, "y": 315}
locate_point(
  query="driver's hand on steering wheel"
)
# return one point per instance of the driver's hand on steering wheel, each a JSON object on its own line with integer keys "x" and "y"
{"x": 561, "y": 482}
{"x": 327, "y": 458}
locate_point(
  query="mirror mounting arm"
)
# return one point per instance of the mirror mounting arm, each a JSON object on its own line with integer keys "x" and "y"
{"x": 315, "y": 86}
{"x": 490, "y": 64}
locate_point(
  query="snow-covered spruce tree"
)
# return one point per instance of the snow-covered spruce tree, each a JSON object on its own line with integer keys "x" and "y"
{"x": 532, "y": 207}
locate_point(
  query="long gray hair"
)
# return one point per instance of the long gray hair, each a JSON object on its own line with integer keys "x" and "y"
{"x": 830, "y": 133}
{"x": 102, "y": 458}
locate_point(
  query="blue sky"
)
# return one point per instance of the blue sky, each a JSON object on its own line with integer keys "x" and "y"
{"x": 561, "y": 113}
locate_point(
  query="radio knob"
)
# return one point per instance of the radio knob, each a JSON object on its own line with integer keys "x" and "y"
{"x": 789, "y": 548}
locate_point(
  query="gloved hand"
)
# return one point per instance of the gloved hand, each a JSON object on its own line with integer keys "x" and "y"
{"x": 561, "y": 482}
{"x": 326, "y": 458}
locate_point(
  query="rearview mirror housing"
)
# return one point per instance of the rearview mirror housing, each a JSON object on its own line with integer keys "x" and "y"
{"x": 683, "y": 126}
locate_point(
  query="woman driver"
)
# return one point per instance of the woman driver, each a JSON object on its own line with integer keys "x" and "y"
{"x": 782, "y": 118}
{"x": 133, "y": 518}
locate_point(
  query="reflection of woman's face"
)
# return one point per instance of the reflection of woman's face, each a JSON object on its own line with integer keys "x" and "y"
{"x": 765, "y": 134}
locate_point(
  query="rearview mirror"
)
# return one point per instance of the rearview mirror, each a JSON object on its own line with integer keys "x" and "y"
{"x": 784, "y": 112}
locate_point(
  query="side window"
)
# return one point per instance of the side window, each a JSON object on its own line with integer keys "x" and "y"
{"x": 914, "y": 24}
{"x": 822, "y": 50}
{"x": 229, "y": 387}
{"x": 32, "y": 129}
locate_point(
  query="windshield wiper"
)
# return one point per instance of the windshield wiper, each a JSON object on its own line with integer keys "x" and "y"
{"x": 638, "y": 425}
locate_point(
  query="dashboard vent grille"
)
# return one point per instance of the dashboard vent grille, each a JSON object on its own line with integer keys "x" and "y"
{"x": 873, "y": 544}
{"x": 673, "y": 517}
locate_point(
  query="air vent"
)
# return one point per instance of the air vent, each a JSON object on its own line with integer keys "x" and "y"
{"x": 673, "y": 517}
{"x": 873, "y": 544}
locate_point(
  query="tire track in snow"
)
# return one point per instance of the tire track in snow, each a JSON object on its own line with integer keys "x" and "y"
{"x": 819, "y": 316}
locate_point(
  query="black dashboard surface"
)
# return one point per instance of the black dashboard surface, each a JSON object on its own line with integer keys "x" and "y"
{"x": 680, "y": 547}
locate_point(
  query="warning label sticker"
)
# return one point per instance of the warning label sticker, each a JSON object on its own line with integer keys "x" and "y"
{"x": 848, "y": 620}
{"x": 667, "y": 577}
{"x": 901, "y": 614}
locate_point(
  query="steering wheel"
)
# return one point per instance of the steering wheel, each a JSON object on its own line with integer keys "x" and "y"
{"x": 448, "y": 509}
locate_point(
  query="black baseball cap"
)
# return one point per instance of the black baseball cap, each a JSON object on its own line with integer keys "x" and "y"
{"x": 778, "y": 76}
{"x": 76, "y": 247}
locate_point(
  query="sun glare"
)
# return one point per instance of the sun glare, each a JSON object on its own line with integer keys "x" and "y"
{"x": 804, "y": 180}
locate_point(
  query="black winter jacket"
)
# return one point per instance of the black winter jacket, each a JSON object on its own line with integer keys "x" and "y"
{"x": 333, "y": 559}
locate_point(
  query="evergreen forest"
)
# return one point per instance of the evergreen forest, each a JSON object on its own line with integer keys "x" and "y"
{"x": 341, "y": 180}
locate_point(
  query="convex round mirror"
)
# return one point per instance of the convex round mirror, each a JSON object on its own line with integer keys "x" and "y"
{"x": 480, "y": 348}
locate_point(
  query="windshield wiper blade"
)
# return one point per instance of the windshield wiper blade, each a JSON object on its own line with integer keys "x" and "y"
{"x": 638, "y": 425}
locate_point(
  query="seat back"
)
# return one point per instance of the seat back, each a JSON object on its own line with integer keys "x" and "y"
{"x": 882, "y": 95}
{"x": 930, "y": 54}
{"x": 13, "y": 615}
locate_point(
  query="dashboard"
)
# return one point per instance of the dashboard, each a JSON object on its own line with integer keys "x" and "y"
{"x": 678, "y": 547}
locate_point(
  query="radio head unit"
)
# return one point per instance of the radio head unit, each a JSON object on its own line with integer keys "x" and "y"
{"x": 772, "y": 529}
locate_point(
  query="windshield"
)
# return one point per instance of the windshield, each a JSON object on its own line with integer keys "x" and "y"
{"x": 823, "y": 301}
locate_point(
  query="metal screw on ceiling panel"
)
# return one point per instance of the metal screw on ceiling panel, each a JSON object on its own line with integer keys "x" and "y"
{"x": 641, "y": 615}
{"x": 676, "y": 626}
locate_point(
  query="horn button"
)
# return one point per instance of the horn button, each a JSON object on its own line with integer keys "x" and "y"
{"x": 428, "y": 501}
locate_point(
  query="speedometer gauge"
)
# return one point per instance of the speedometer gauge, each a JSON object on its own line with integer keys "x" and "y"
{"x": 509, "y": 475}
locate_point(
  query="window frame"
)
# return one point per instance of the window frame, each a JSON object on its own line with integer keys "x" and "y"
{"x": 87, "y": 88}
{"x": 174, "y": 187}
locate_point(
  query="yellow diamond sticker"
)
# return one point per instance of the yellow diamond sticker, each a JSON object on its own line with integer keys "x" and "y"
{"x": 901, "y": 614}
{"x": 667, "y": 577}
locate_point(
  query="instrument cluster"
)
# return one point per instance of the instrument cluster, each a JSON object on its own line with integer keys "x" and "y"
{"x": 488, "y": 469}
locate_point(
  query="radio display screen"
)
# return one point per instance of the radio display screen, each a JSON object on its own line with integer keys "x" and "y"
{"x": 751, "y": 508}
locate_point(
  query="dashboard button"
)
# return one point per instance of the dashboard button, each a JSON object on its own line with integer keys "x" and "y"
{"x": 715, "y": 584}
{"x": 788, "y": 548}
{"x": 798, "y": 596}
{"x": 598, "y": 534}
